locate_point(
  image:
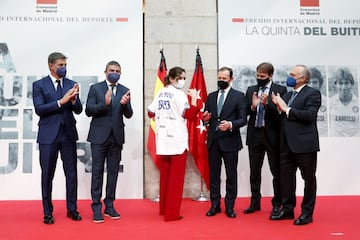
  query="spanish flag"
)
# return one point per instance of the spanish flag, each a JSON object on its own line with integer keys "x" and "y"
{"x": 159, "y": 84}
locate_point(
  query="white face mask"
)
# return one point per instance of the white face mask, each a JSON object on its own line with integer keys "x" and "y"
{"x": 180, "y": 84}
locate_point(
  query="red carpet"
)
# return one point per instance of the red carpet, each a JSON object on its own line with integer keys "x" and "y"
{"x": 335, "y": 218}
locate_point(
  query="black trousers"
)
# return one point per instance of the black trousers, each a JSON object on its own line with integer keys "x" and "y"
{"x": 289, "y": 163}
{"x": 216, "y": 155}
{"x": 256, "y": 159}
{"x": 109, "y": 152}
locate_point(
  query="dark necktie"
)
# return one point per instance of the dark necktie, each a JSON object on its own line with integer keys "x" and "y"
{"x": 292, "y": 98}
{"x": 260, "y": 114}
{"x": 58, "y": 88}
{"x": 221, "y": 102}
{"x": 59, "y": 94}
{"x": 112, "y": 89}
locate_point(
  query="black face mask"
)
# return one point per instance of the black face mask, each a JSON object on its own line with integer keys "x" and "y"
{"x": 222, "y": 84}
{"x": 262, "y": 82}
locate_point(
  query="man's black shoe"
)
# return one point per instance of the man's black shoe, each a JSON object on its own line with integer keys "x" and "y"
{"x": 74, "y": 215}
{"x": 230, "y": 213}
{"x": 303, "y": 220}
{"x": 275, "y": 211}
{"x": 213, "y": 211}
{"x": 252, "y": 209}
{"x": 283, "y": 215}
{"x": 49, "y": 219}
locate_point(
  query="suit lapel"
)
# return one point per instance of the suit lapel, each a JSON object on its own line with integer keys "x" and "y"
{"x": 49, "y": 86}
{"x": 226, "y": 102}
{"x": 66, "y": 85}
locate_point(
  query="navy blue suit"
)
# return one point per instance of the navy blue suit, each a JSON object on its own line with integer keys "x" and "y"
{"x": 225, "y": 144}
{"x": 299, "y": 144}
{"x": 106, "y": 136}
{"x": 57, "y": 132}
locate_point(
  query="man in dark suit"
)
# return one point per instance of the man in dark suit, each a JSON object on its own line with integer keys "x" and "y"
{"x": 299, "y": 144}
{"x": 108, "y": 101}
{"x": 225, "y": 113}
{"x": 55, "y": 99}
{"x": 263, "y": 135}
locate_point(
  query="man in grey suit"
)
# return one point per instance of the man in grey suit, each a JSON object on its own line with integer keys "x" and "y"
{"x": 108, "y": 101}
{"x": 299, "y": 144}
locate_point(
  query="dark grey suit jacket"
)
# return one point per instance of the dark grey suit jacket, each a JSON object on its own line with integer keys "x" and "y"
{"x": 106, "y": 118}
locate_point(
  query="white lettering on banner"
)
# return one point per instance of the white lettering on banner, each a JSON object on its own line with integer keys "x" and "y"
{"x": 17, "y": 120}
{"x": 327, "y": 40}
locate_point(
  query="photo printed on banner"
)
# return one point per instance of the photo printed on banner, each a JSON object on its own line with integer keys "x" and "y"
{"x": 318, "y": 81}
{"x": 343, "y": 101}
{"x": 244, "y": 77}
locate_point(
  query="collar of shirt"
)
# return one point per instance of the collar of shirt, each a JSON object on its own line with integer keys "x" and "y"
{"x": 299, "y": 89}
{"x": 53, "y": 79}
{"x": 267, "y": 89}
{"x": 226, "y": 91}
{"x": 110, "y": 88}
{"x": 110, "y": 83}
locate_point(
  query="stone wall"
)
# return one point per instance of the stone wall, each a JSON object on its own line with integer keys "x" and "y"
{"x": 178, "y": 26}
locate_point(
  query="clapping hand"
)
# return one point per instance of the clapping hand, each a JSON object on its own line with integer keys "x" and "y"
{"x": 125, "y": 98}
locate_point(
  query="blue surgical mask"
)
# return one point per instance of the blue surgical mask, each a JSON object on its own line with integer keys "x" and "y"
{"x": 61, "y": 71}
{"x": 113, "y": 77}
{"x": 290, "y": 82}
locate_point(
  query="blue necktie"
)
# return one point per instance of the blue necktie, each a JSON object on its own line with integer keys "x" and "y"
{"x": 220, "y": 103}
{"x": 260, "y": 114}
{"x": 293, "y": 95}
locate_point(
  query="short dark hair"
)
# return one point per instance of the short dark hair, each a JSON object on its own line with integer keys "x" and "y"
{"x": 266, "y": 68}
{"x": 226, "y": 69}
{"x": 112, "y": 63}
{"x": 55, "y": 56}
